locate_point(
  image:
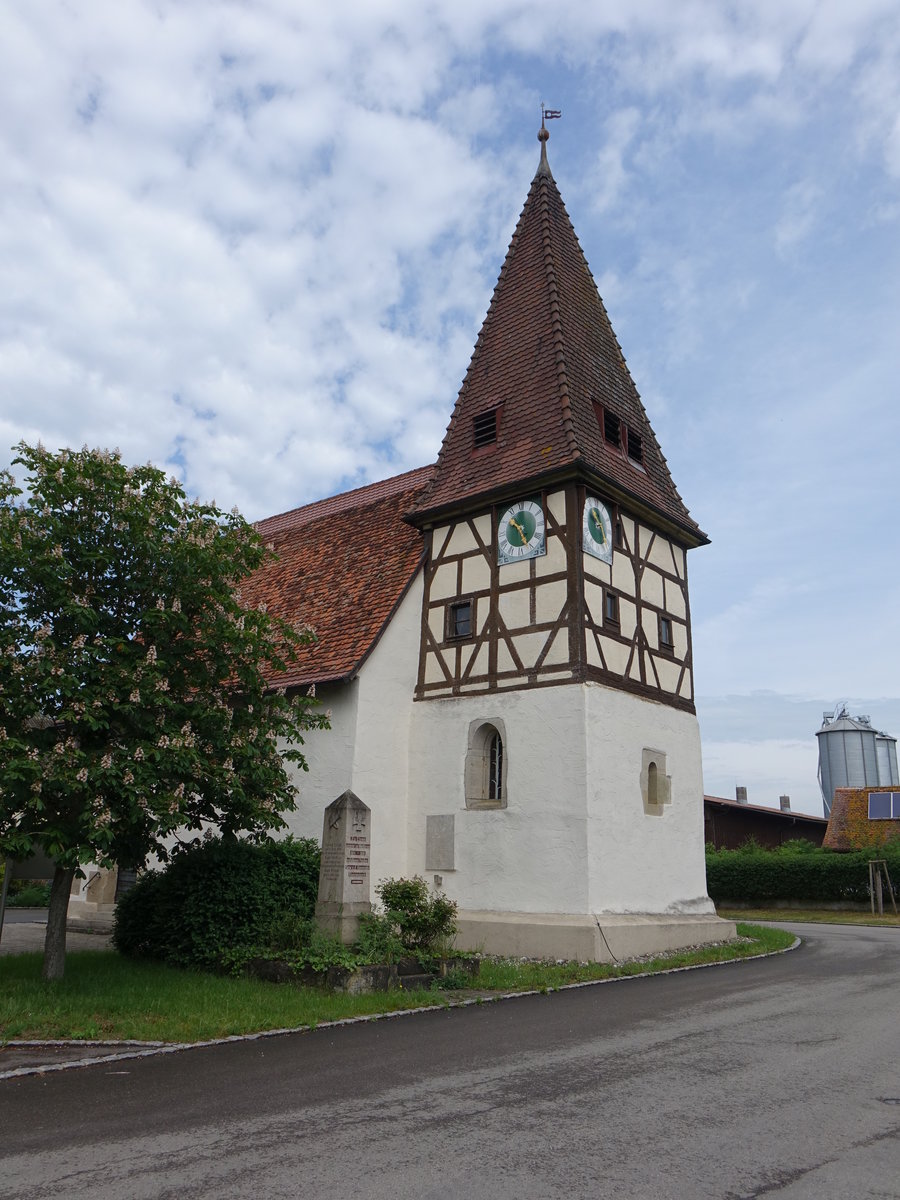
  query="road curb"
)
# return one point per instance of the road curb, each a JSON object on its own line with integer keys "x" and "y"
{"x": 153, "y": 1049}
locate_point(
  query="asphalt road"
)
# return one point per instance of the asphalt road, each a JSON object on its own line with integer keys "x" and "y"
{"x": 778, "y": 1078}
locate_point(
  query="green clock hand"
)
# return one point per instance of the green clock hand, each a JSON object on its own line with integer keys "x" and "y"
{"x": 599, "y": 524}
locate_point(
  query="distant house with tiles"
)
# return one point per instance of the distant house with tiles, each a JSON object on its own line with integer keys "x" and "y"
{"x": 865, "y": 817}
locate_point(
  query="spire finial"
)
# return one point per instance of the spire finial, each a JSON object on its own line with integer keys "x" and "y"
{"x": 547, "y": 114}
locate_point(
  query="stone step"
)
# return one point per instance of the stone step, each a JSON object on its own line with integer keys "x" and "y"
{"x": 411, "y": 983}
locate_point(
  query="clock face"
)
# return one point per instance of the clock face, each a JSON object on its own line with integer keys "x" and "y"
{"x": 520, "y": 532}
{"x": 597, "y": 529}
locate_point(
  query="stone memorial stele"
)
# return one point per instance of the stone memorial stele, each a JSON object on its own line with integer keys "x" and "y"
{"x": 344, "y": 873}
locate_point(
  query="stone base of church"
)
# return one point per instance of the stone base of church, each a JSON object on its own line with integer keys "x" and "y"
{"x": 604, "y": 937}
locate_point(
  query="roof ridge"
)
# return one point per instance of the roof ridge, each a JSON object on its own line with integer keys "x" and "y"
{"x": 341, "y": 501}
{"x": 555, "y": 317}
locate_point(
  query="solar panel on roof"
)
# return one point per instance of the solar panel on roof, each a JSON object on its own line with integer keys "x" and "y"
{"x": 884, "y": 806}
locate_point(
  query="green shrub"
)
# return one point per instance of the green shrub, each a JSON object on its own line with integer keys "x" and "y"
{"x": 29, "y": 894}
{"x": 377, "y": 940}
{"x": 424, "y": 924}
{"x": 216, "y": 897}
{"x": 798, "y": 872}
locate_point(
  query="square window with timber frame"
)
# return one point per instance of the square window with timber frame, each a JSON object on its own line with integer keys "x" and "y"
{"x": 459, "y": 619}
{"x": 666, "y": 635}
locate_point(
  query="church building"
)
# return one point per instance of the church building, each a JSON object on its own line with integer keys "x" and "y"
{"x": 504, "y": 638}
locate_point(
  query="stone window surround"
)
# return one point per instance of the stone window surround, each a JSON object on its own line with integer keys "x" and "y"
{"x": 656, "y": 785}
{"x": 478, "y": 764}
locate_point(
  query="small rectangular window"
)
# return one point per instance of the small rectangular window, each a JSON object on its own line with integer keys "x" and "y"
{"x": 484, "y": 428}
{"x": 620, "y": 534}
{"x": 666, "y": 639}
{"x": 610, "y": 608}
{"x": 635, "y": 448}
{"x": 459, "y": 619}
{"x": 612, "y": 428}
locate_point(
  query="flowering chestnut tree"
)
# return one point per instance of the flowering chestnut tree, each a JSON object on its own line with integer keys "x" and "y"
{"x": 138, "y": 697}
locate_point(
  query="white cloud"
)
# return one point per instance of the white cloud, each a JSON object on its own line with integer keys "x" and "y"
{"x": 799, "y": 214}
{"x": 610, "y": 174}
{"x": 255, "y": 241}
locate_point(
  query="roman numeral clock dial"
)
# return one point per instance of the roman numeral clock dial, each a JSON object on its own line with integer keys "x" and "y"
{"x": 520, "y": 532}
{"x": 596, "y": 528}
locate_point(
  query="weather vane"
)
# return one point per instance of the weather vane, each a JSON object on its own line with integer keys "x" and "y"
{"x": 547, "y": 114}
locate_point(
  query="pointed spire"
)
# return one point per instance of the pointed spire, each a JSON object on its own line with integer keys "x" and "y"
{"x": 544, "y": 138}
{"x": 547, "y": 395}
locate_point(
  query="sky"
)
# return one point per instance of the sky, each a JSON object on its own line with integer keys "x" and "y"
{"x": 253, "y": 242}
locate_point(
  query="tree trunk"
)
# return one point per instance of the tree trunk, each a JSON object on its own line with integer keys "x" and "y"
{"x": 55, "y": 941}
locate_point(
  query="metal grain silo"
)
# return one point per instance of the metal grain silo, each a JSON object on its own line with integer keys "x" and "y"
{"x": 886, "y": 757}
{"x": 852, "y": 753}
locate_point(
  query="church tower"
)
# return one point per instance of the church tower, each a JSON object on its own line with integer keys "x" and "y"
{"x": 554, "y": 749}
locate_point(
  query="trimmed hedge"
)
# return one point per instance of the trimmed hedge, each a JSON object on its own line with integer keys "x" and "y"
{"x": 754, "y": 875}
{"x": 215, "y": 897}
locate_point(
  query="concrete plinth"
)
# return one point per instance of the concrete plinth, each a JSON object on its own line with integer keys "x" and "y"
{"x": 603, "y": 937}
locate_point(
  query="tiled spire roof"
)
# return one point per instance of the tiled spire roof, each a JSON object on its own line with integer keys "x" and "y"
{"x": 545, "y": 358}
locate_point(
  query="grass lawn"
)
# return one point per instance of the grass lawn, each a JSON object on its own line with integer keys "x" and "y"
{"x": 107, "y": 997}
{"x": 822, "y": 916}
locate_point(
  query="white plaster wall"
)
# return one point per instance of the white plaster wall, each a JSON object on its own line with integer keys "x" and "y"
{"x": 623, "y": 575}
{"x": 532, "y": 855}
{"x": 556, "y": 503}
{"x": 616, "y": 655}
{"x": 367, "y": 747}
{"x": 550, "y": 600}
{"x": 660, "y": 554}
{"x": 643, "y": 863}
{"x": 515, "y": 608}
{"x": 443, "y": 584}
{"x": 674, "y": 599}
{"x": 385, "y": 702}
{"x": 329, "y": 753}
{"x": 553, "y": 561}
{"x": 668, "y": 671}
{"x": 593, "y": 598}
{"x": 652, "y": 588}
{"x": 627, "y": 618}
{"x": 476, "y": 574}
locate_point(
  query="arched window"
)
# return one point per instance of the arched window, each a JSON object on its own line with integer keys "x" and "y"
{"x": 495, "y": 768}
{"x": 656, "y": 785}
{"x": 486, "y": 760}
{"x": 652, "y": 785}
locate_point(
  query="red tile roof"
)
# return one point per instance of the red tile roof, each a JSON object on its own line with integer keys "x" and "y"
{"x": 547, "y": 353}
{"x": 788, "y": 813}
{"x": 343, "y": 566}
